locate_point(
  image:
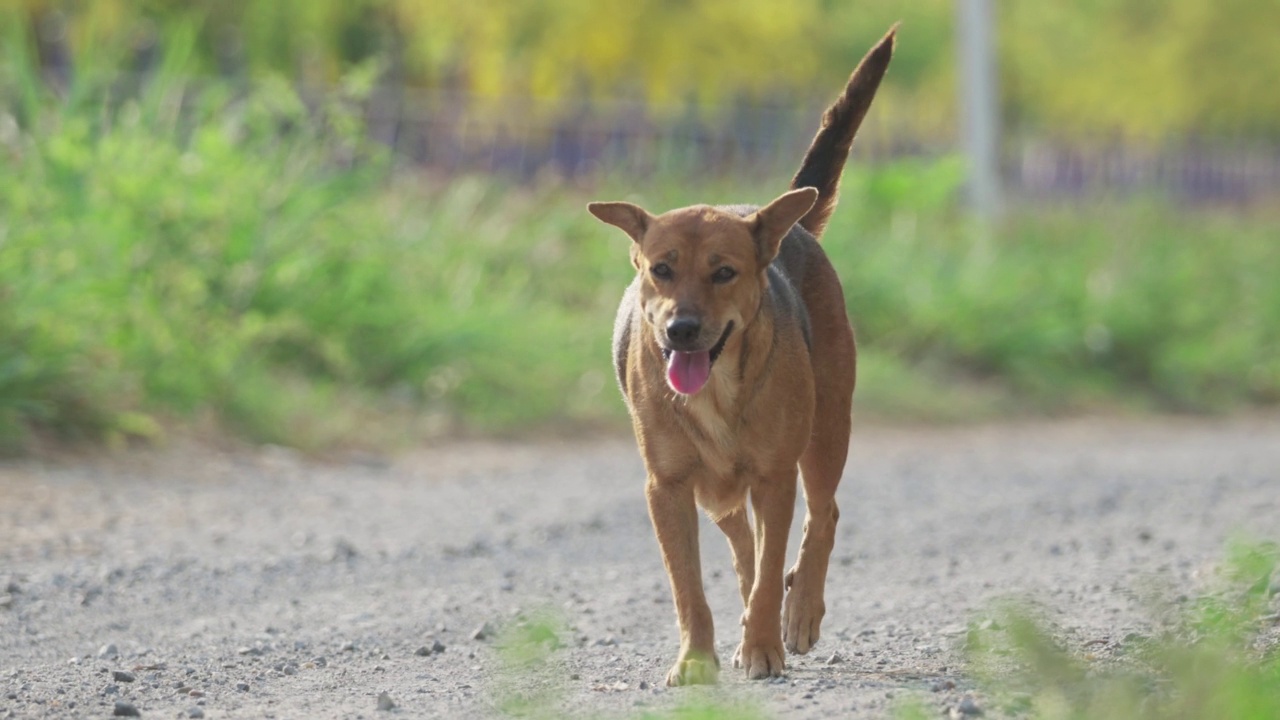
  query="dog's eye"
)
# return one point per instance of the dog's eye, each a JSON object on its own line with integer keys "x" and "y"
{"x": 662, "y": 271}
{"x": 723, "y": 275}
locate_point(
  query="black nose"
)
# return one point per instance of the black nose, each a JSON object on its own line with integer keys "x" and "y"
{"x": 683, "y": 331}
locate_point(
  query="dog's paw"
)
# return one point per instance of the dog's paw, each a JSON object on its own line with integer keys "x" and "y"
{"x": 802, "y": 614}
{"x": 760, "y": 660}
{"x": 694, "y": 668}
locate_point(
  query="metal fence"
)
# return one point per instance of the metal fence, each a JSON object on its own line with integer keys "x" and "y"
{"x": 455, "y": 133}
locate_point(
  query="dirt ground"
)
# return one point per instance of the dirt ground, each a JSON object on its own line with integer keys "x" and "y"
{"x": 192, "y": 582}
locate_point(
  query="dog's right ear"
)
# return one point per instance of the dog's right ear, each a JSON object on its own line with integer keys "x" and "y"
{"x": 631, "y": 219}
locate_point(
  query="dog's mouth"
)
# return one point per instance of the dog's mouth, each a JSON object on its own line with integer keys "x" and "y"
{"x": 687, "y": 372}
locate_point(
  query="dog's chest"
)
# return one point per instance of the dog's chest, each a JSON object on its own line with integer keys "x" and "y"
{"x": 714, "y": 424}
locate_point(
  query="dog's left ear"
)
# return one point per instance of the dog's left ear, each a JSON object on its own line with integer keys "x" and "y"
{"x": 772, "y": 222}
{"x": 632, "y": 219}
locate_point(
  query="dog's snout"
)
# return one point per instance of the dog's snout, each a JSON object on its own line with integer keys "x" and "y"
{"x": 683, "y": 332}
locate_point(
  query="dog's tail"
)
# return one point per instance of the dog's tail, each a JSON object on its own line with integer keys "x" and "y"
{"x": 825, "y": 159}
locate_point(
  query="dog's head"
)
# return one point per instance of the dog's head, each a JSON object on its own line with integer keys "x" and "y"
{"x": 702, "y": 274}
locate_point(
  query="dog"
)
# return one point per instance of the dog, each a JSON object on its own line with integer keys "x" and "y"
{"x": 736, "y": 358}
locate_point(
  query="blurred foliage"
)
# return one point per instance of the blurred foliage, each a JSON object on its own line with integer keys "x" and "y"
{"x": 1215, "y": 658}
{"x": 1142, "y": 67}
{"x": 198, "y": 249}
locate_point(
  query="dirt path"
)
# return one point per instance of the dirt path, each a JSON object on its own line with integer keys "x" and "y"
{"x": 247, "y": 586}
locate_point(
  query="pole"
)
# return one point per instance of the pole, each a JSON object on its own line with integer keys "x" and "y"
{"x": 979, "y": 103}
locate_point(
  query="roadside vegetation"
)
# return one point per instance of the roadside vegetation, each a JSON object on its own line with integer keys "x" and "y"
{"x": 1214, "y": 656}
{"x": 202, "y": 253}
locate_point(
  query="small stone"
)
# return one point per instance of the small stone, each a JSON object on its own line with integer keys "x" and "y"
{"x": 6, "y": 600}
{"x": 196, "y": 694}
{"x": 969, "y": 707}
{"x": 122, "y": 676}
{"x": 437, "y": 646}
{"x": 108, "y": 651}
{"x": 347, "y": 646}
{"x": 385, "y": 703}
{"x": 111, "y": 690}
{"x": 242, "y": 686}
{"x": 944, "y": 685}
{"x": 835, "y": 659}
{"x": 484, "y": 632}
{"x": 124, "y": 709}
{"x": 422, "y": 651}
{"x": 195, "y": 712}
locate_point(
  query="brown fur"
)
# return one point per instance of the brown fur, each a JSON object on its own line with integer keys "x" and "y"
{"x": 778, "y": 398}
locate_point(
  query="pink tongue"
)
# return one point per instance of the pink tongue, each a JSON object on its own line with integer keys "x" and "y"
{"x": 688, "y": 371}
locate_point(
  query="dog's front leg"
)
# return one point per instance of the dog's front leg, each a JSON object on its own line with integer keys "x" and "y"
{"x": 675, "y": 521}
{"x": 773, "y": 499}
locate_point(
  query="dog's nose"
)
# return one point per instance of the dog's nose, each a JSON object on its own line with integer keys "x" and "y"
{"x": 683, "y": 331}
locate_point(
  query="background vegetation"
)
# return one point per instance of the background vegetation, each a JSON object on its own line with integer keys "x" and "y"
{"x": 215, "y": 240}
{"x": 1150, "y": 68}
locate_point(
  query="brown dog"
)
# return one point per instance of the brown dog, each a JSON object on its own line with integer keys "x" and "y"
{"x": 735, "y": 355}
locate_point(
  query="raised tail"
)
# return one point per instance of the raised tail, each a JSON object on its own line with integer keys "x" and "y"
{"x": 825, "y": 159}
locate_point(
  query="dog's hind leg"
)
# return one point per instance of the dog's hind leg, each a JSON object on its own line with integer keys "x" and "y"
{"x": 737, "y": 528}
{"x": 821, "y": 467}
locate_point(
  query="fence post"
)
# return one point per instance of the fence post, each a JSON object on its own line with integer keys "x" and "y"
{"x": 979, "y": 104}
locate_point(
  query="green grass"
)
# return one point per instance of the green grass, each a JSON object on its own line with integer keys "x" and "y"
{"x": 188, "y": 254}
{"x": 1217, "y": 657}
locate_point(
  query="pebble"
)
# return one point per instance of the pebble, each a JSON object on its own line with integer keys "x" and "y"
{"x": 834, "y": 659}
{"x": 385, "y": 703}
{"x": 6, "y": 600}
{"x": 484, "y": 632}
{"x": 422, "y": 651}
{"x": 124, "y": 709}
{"x": 242, "y": 686}
{"x": 108, "y": 651}
{"x": 943, "y": 685}
{"x": 111, "y": 690}
{"x": 969, "y": 707}
{"x": 195, "y": 712}
{"x": 122, "y": 676}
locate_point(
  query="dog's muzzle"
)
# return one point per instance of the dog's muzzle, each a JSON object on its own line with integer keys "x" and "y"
{"x": 688, "y": 372}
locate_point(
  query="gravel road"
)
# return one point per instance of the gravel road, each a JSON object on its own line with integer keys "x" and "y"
{"x": 193, "y": 582}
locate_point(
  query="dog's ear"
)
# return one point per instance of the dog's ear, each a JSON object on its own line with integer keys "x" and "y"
{"x": 631, "y": 219}
{"x": 772, "y": 222}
